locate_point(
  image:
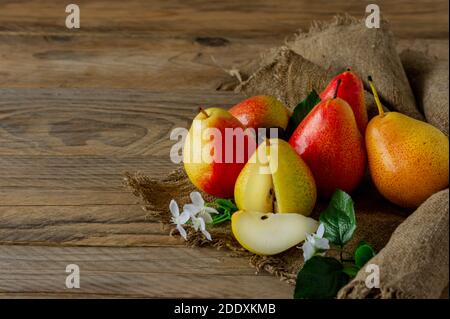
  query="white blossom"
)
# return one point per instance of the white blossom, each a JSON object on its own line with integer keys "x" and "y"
{"x": 199, "y": 224}
{"x": 179, "y": 219}
{"x": 198, "y": 208}
{"x": 315, "y": 243}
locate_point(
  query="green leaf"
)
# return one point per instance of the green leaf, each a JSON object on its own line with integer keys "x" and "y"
{"x": 363, "y": 254}
{"x": 351, "y": 270}
{"x": 301, "y": 110}
{"x": 225, "y": 207}
{"x": 339, "y": 218}
{"x": 320, "y": 278}
{"x": 226, "y": 203}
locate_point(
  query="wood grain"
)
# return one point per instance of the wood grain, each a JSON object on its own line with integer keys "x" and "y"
{"x": 167, "y": 45}
{"x": 425, "y": 18}
{"x": 169, "y": 272}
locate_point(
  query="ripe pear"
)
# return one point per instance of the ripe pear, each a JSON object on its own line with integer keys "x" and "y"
{"x": 408, "y": 159}
{"x": 261, "y": 111}
{"x": 351, "y": 90}
{"x": 329, "y": 141}
{"x": 276, "y": 179}
{"x": 268, "y": 233}
{"x": 213, "y": 159}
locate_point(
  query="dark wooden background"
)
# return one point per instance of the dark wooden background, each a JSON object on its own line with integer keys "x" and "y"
{"x": 80, "y": 107}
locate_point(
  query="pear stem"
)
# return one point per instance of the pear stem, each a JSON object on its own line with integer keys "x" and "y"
{"x": 375, "y": 95}
{"x": 337, "y": 88}
{"x": 201, "y": 110}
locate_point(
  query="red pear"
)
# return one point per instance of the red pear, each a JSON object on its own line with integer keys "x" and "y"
{"x": 261, "y": 111}
{"x": 351, "y": 90}
{"x": 329, "y": 141}
{"x": 216, "y": 149}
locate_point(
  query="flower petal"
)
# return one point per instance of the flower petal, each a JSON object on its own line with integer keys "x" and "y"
{"x": 308, "y": 251}
{"x": 206, "y": 217}
{"x": 207, "y": 234}
{"x": 195, "y": 223}
{"x": 210, "y": 210}
{"x": 320, "y": 230}
{"x": 173, "y": 207}
{"x": 202, "y": 224}
{"x": 182, "y": 232}
{"x": 184, "y": 217}
{"x": 192, "y": 209}
{"x": 197, "y": 199}
{"x": 322, "y": 244}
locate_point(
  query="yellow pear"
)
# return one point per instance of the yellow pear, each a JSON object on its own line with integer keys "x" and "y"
{"x": 408, "y": 159}
{"x": 268, "y": 233}
{"x": 276, "y": 179}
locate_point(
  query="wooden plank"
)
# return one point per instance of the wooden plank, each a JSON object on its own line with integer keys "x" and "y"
{"x": 118, "y": 123}
{"x": 123, "y": 62}
{"x": 169, "y": 45}
{"x": 228, "y": 18}
{"x": 170, "y": 272}
{"x": 102, "y": 225}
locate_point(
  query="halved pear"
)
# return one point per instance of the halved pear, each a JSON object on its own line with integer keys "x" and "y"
{"x": 276, "y": 179}
{"x": 268, "y": 233}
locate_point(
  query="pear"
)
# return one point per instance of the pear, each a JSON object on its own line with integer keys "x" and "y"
{"x": 261, "y": 111}
{"x": 329, "y": 141}
{"x": 268, "y": 233}
{"x": 206, "y": 148}
{"x": 408, "y": 159}
{"x": 275, "y": 179}
{"x": 351, "y": 90}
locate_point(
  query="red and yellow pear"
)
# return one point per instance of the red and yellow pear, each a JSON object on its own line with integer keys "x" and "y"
{"x": 261, "y": 111}
{"x": 408, "y": 158}
{"x": 215, "y": 151}
{"x": 329, "y": 141}
{"x": 351, "y": 90}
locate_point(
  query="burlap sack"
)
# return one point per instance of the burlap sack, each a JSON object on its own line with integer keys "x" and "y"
{"x": 347, "y": 42}
{"x": 429, "y": 79}
{"x": 414, "y": 263}
{"x": 290, "y": 77}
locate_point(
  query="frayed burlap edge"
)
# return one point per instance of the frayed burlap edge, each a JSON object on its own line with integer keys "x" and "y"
{"x": 321, "y": 25}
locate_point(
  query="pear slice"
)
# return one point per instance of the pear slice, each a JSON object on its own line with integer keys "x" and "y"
{"x": 275, "y": 179}
{"x": 268, "y": 233}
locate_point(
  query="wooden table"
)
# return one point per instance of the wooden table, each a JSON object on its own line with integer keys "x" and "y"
{"x": 80, "y": 107}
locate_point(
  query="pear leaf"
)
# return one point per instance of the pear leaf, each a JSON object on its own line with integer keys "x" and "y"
{"x": 225, "y": 207}
{"x": 339, "y": 218}
{"x": 363, "y": 253}
{"x": 320, "y": 278}
{"x": 226, "y": 204}
{"x": 351, "y": 270}
{"x": 301, "y": 110}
